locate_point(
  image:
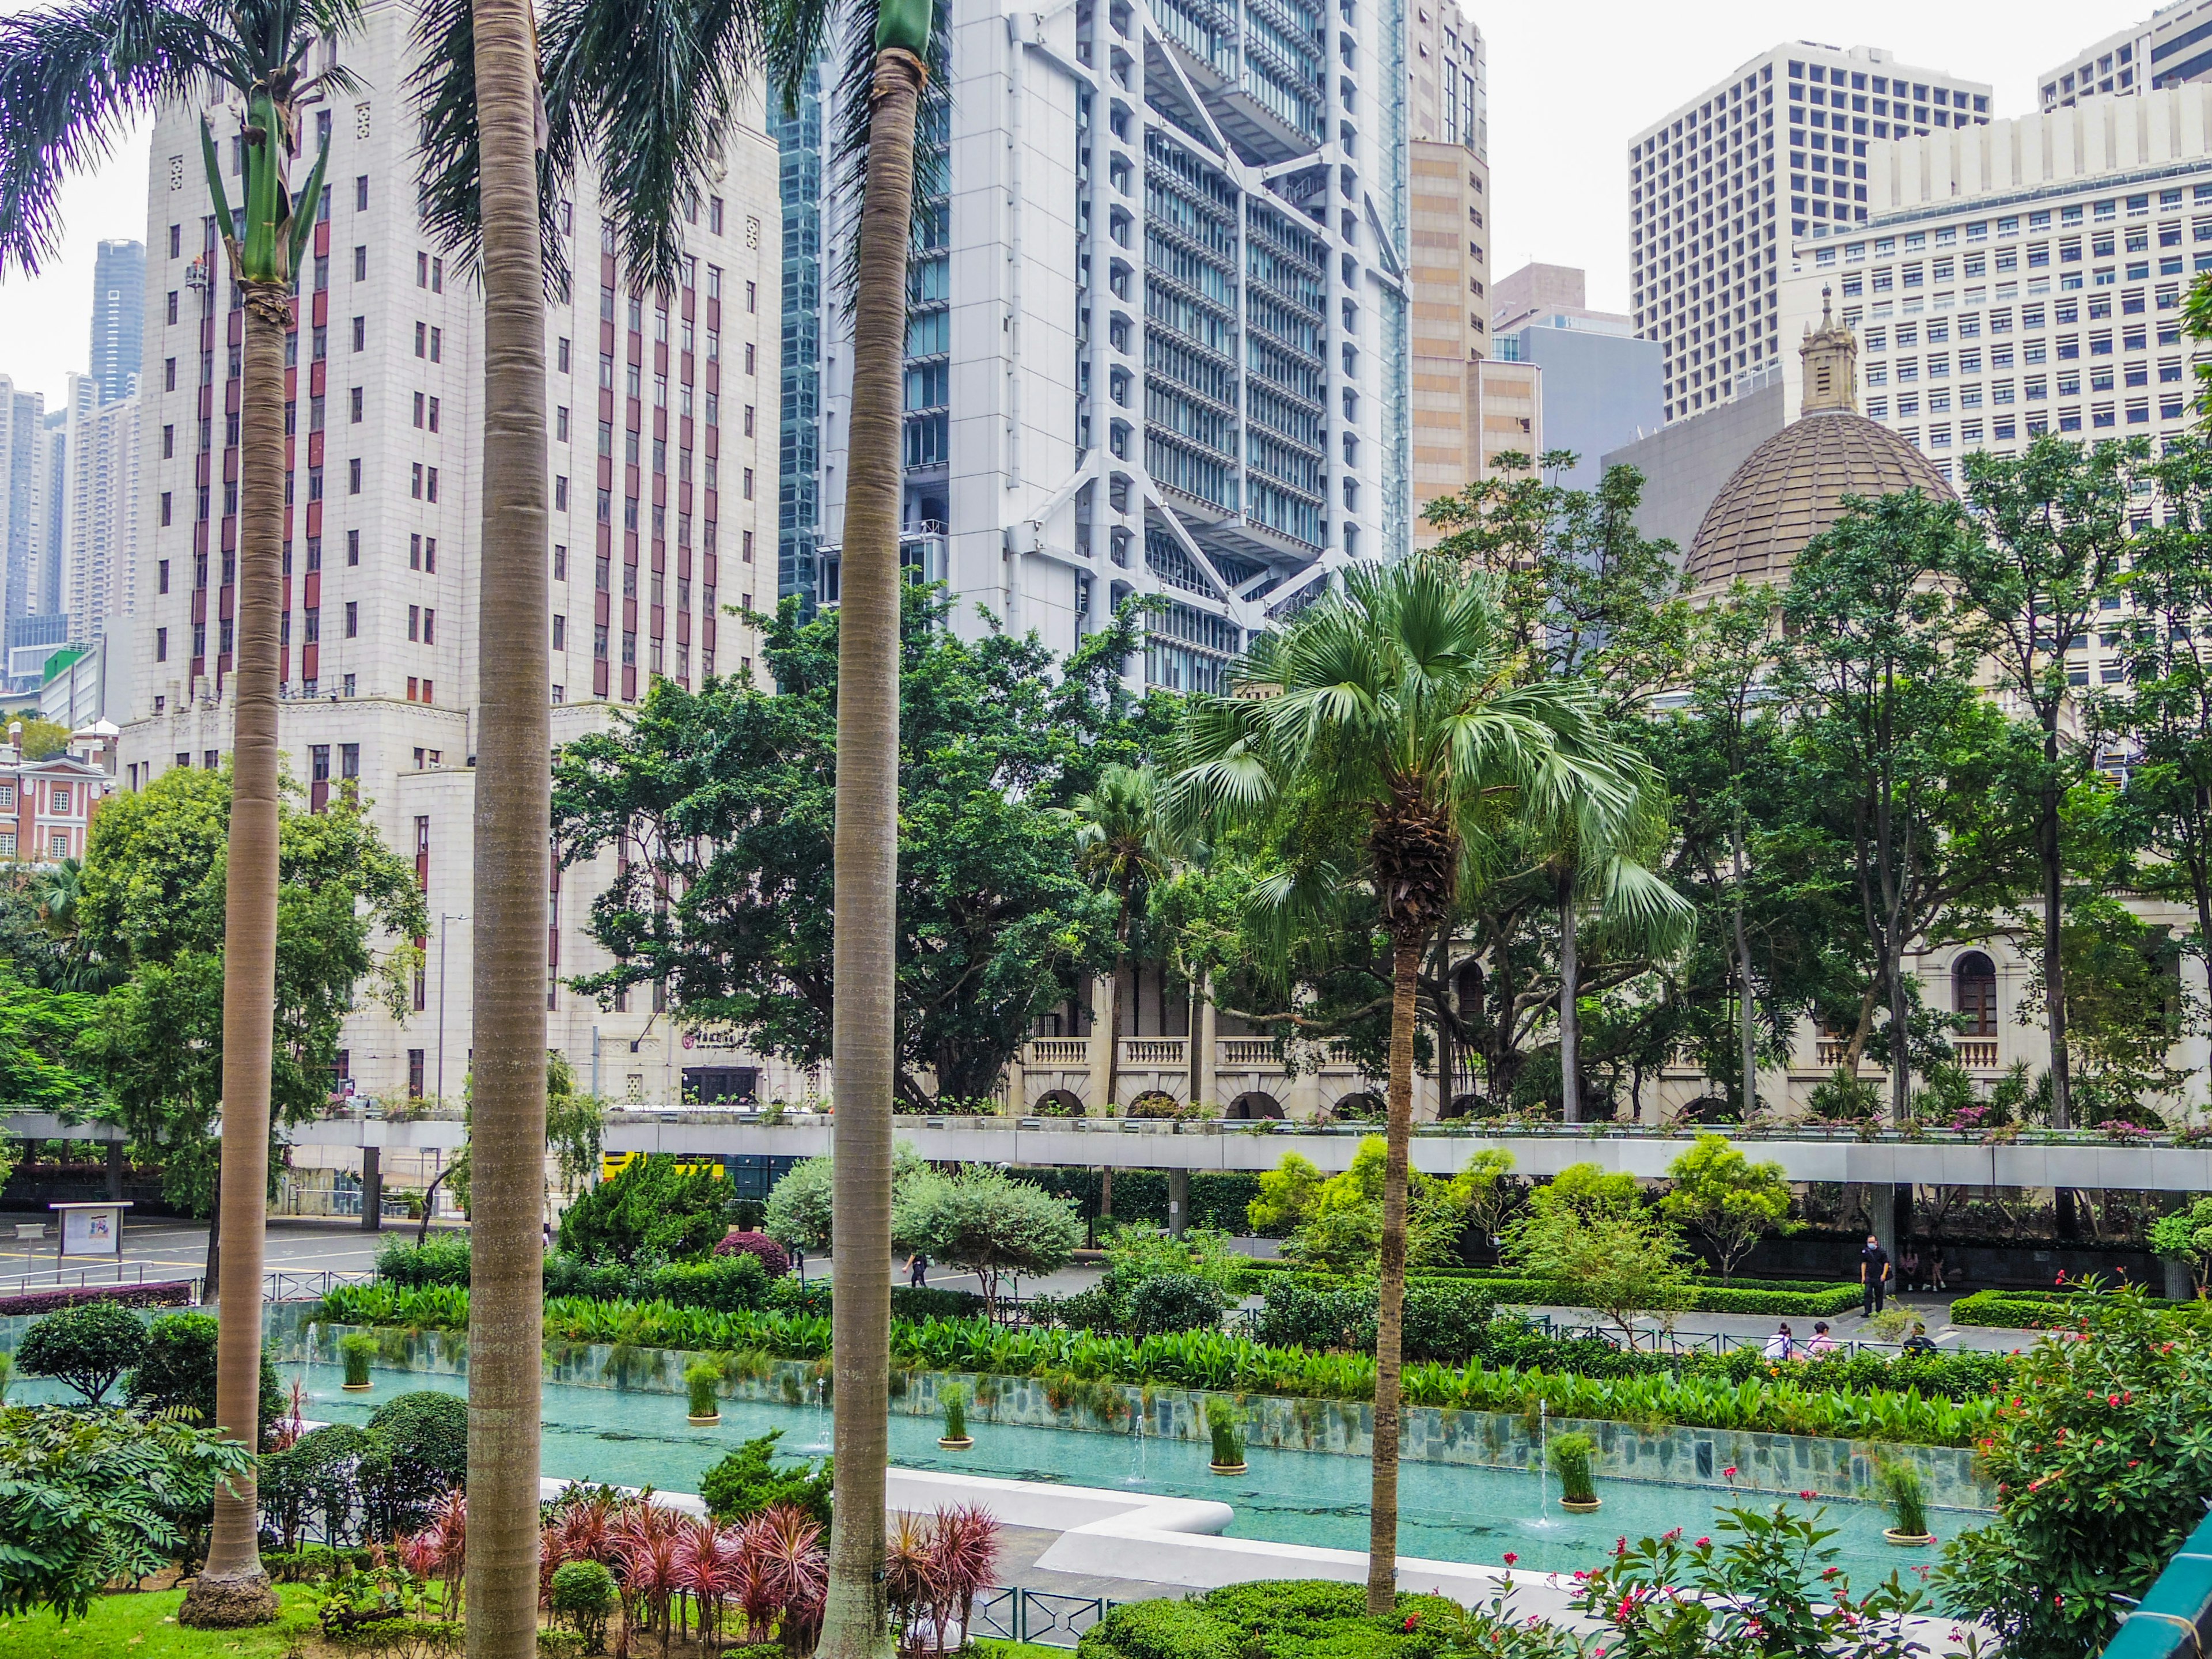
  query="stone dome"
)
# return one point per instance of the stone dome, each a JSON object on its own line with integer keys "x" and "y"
{"x": 1792, "y": 488}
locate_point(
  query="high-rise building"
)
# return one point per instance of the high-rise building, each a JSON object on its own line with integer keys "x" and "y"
{"x": 2171, "y": 47}
{"x": 28, "y": 506}
{"x": 662, "y": 417}
{"x": 797, "y": 136}
{"x": 2025, "y": 282}
{"x": 1719, "y": 185}
{"x": 1207, "y": 403}
{"x": 99, "y": 538}
{"x": 118, "y": 317}
{"x": 1601, "y": 383}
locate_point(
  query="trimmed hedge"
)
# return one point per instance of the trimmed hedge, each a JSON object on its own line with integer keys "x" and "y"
{"x": 1798, "y": 1301}
{"x": 2026, "y": 1310}
{"x": 169, "y": 1293}
{"x": 1303, "y": 1618}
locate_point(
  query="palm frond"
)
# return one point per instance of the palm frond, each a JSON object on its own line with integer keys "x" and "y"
{"x": 72, "y": 80}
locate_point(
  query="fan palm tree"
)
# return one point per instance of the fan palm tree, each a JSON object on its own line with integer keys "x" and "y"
{"x": 1119, "y": 849}
{"x": 72, "y": 78}
{"x": 1382, "y": 741}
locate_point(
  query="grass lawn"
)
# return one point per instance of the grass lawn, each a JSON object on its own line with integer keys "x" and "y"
{"x": 145, "y": 1627}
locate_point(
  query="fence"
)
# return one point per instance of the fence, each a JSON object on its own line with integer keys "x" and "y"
{"x": 2173, "y": 1621}
{"x": 1014, "y": 1614}
{"x": 1665, "y": 1341}
{"x": 73, "y": 1278}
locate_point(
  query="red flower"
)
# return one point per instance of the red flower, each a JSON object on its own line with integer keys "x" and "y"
{"x": 1511, "y": 1558}
{"x": 1412, "y": 1619}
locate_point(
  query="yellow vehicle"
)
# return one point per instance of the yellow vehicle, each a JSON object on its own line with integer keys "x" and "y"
{"x": 613, "y": 1163}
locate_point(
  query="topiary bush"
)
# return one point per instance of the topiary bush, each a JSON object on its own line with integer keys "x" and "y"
{"x": 176, "y": 1372}
{"x": 1164, "y": 1303}
{"x": 727, "y": 1284}
{"x": 774, "y": 1259}
{"x": 313, "y": 1488}
{"x": 584, "y": 1594}
{"x": 747, "y": 1481}
{"x": 88, "y": 1346}
{"x": 422, "y": 1440}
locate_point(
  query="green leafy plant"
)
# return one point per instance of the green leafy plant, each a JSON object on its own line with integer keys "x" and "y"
{"x": 650, "y": 1207}
{"x": 584, "y": 1592}
{"x": 701, "y": 1378}
{"x": 1224, "y": 1423}
{"x": 358, "y": 1351}
{"x": 88, "y": 1346}
{"x": 176, "y": 1369}
{"x": 1721, "y": 1194}
{"x": 953, "y": 1401}
{"x": 2186, "y": 1235}
{"x": 1905, "y": 1493}
{"x": 747, "y": 1481}
{"x": 1569, "y": 1457}
{"x": 1307, "y": 1617}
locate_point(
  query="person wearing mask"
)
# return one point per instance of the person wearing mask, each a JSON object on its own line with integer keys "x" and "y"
{"x": 1874, "y": 1277}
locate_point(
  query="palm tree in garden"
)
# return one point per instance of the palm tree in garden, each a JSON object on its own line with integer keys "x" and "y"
{"x": 645, "y": 91}
{"x": 1120, "y": 850}
{"x": 1381, "y": 740}
{"x": 481, "y": 108}
{"x": 72, "y": 78}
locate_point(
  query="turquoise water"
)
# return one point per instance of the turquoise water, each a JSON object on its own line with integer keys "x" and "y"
{"x": 1446, "y": 1512}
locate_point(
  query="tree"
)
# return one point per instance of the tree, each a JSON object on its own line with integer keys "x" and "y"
{"x": 2186, "y": 1235}
{"x": 1286, "y": 1198}
{"x": 650, "y": 1209}
{"x": 1342, "y": 1232}
{"x": 71, "y": 79}
{"x": 42, "y": 739}
{"x": 1900, "y": 768}
{"x": 802, "y": 1212}
{"x": 984, "y": 1221}
{"x": 38, "y": 1033}
{"x": 89, "y": 1499}
{"x": 1485, "y": 1192}
{"x": 1121, "y": 851}
{"x": 174, "y": 1369}
{"x": 87, "y": 1346}
{"x": 2051, "y": 547}
{"x": 1734, "y": 1202}
{"x": 723, "y": 799}
{"x": 155, "y": 891}
{"x": 1379, "y": 738}
{"x": 1622, "y": 1259}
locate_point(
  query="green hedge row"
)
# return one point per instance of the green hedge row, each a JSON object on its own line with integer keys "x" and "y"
{"x": 1219, "y": 1199}
{"x": 1799, "y": 1301}
{"x": 2026, "y": 1311}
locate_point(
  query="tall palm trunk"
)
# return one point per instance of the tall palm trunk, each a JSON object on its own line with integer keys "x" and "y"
{"x": 1571, "y": 1092}
{"x": 856, "y": 1617}
{"x": 1389, "y": 1321}
{"x": 233, "y": 1590}
{"x": 513, "y": 813}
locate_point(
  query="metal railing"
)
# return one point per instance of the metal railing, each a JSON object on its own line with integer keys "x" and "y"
{"x": 76, "y": 1279}
{"x": 1654, "y": 1340}
{"x": 308, "y": 1287}
{"x": 1012, "y": 1614}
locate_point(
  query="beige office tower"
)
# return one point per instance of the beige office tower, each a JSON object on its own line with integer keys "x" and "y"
{"x": 1720, "y": 185}
{"x": 1467, "y": 407}
{"x": 662, "y": 415}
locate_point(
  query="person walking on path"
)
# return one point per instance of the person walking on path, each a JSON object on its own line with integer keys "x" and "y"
{"x": 1874, "y": 1277}
{"x": 918, "y": 1271}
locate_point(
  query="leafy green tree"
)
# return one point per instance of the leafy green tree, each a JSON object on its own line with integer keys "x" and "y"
{"x": 2126, "y": 1006}
{"x": 153, "y": 906}
{"x": 1623, "y": 1261}
{"x": 2186, "y": 1235}
{"x": 723, "y": 798}
{"x": 1286, "y": 1198}
{"x": 38, "y": 1032}
{"x": 89, "y": 1499}
{"x": 1121, "y": 850}
{"x": 87, "y": 1346}
{"x": 1732, "y": 1201}
{"x": 2050, "y": 548}
{"x": 802, "y": 1209}
{"x": 1379, "y": 738}
{"x": 982, "y": 1221}
{"x": 747, "y": 1481}
{"x": 1901, "y": 769}
{"x": 42, "y": 739}
{"x": 174, "y": 1370}
{"x": 649, "y": 1209}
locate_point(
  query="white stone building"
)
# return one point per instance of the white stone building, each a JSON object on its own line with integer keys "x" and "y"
{"x": 663, "y": 419}
{"x": 102, "y": 514}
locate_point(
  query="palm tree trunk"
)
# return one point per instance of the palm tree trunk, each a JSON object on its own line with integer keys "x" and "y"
{"x": 1113, "y": 1040}
{"x": 232, "y": 1590}
{"x": 856, "y": 1617}
{"x": 514, "y": 810}
{"x": 1389, "y": 1320}
{"x": 1570, "y": 1093}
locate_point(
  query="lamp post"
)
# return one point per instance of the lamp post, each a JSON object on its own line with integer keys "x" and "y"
{"x": 442, "y": 920}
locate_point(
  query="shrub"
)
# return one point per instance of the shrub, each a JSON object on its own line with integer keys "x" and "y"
{"x": 747, "y": 1481}
{"x": 649, "y": 1209}
{"x": 728, "y": 1283}
{"x": 1570, "y": 1457}
{"x": 87, "y": 1346}
{"x": 356, "y": 1349}
{"x": 584, "y": 1594}
{"x": 2026, "y": 1310}
{"x": 1222, "y": 1424}
{"x": 1301, "y": 1619}
{"x": 701, "y": 1378}
{"x": 168, "y": 1293}
{"x": 913, "y": 1302}
{"x": 442, "y": 1260}
{"x": 424, "y": 1439}
{"x": 569, "y": 1274}
{"x": 1167, "y": 1302}
{"x": 316, "y": 1478}
{"x": 1903, "y": 1490}
{"x": 774, "y": 1260}
{"x": 1444, "y": 1319}
{"x": 177, "y": 1369}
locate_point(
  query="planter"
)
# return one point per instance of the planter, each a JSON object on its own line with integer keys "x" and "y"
{"x": 704, "y": 1422}
{"x": 1907, "y": 1540}
{"x": 1580, "y": 1506}
{"x": 1228, "y": 1468}
{"x": 962, "y": 1444}
{"x": 355, "y": 1388}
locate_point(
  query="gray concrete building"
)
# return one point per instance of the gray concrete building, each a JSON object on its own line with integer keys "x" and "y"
{"x": 1601, "y": 383}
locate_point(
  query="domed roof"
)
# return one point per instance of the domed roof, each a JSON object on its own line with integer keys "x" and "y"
{"x": 1792, "y": 488}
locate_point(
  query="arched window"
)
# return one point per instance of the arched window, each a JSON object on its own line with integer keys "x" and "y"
{"x": 1466, "y": 989}
{"x": 1974, "y": 994}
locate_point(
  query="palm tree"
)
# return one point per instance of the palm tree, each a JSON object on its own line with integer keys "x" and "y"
{"x": 646, "y": 91}
{"x": 71, "y": 79}
{"x": 481, "y": 107}
{"x": 1119, "y": 848}
{"x": 1383, "y": 724}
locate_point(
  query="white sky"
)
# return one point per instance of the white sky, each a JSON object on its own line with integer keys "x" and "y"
{"x": 1567, "y": 88}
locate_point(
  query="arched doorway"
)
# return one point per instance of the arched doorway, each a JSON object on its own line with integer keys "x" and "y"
{"x": 1974, "y": 994}
{"x": 1253, "y": 1105}
{"x": 1466, "y": 989}
{"x": 1058, "y": 1102}
{"x": 1361, "y": 1108}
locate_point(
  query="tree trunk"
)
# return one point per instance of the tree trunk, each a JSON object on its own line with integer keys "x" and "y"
{"x": 232, "y": 1590}
{"x": 2054, "y": 966}
{"x": 856, "y": 1619}
{"x": 1570, "y": 1093}
{"x": 513, "y": 809}
{"x": 1900, "y": 1049}
{"x": 1440, "y": 971}
{"x": 1113, "y": 1039}
{"x": 1748, "y": 1013}
{"x": 1389, "y": 1321}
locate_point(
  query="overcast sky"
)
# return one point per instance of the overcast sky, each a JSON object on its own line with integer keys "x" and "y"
{"x": 1567, "y": 88}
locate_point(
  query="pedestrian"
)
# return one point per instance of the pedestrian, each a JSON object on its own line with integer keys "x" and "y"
{"x": 1781, "y": 1345}
{"x": 918, "y": 1271}
{"x": 549, "y": 1235}
{"x": 1822, "y": 1343}
{"x": 1874, "y": 1277}
{"x": 1919, "y": 1341}
{"x": 798, "y": 1260}
{"x": 1908, "y": 1268}
{"x": 1936, "y": 1278}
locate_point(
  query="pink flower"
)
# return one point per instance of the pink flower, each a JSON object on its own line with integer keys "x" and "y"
{"x": 1809, "y": 1493}
{"x": 1511, "y": 1558}
{"x": 1729, "y": 1474}
{"x": 1703, "y": 1543}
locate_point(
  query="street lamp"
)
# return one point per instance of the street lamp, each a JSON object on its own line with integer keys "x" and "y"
{"x": 442, "y": 920}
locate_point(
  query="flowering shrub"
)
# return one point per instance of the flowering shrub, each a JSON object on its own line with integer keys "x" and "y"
{"x": 771, "y": 1255}
{"x": 2101, "y": 1460}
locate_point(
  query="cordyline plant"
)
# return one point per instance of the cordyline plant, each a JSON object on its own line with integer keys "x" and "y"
{"x": 72, "y": 80}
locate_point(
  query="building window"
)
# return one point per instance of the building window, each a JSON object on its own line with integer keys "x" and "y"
{"x": 1974, "y": 994}
{"x": 415, "y": 1074}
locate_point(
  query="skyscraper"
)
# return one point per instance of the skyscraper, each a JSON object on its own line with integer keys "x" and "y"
{"x": 1207, "y": 403}
{"x": 1712, "y": 203}
{"x": 118, "y": 317}
{"x": 799, "y": 454}
{"x": 2167, "y": 48}
{"x": 26, "y": 506}
{"x": 100, "y": 541}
